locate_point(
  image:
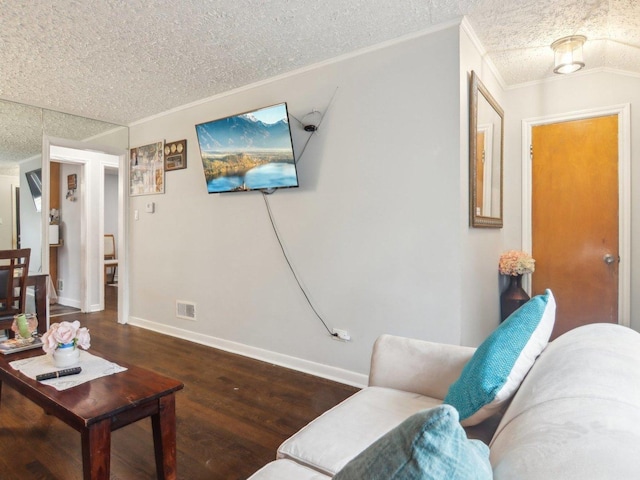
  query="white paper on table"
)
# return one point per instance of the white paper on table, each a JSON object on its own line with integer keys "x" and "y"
{"x": 92, "y": 367}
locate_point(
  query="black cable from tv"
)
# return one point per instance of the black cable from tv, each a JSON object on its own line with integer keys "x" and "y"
{"x": 265, "y": 193}
{"x": 295, "y": 275}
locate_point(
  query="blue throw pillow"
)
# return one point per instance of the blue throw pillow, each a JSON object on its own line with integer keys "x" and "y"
{"x": 499, "y": 365}
{"x": 430, "y": 445}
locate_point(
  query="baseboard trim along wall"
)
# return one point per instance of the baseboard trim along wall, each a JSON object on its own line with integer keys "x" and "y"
{"x": 324, "y": 371}
{"x": 69, "y": 302}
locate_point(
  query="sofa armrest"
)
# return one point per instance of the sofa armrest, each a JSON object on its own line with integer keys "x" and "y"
{"x": 416, "y": 366}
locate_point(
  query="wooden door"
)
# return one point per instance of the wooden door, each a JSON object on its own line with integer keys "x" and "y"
{"x": 54, "y": 202}
{"x": 480, "y": 156}
{"x": 575, "y": 219}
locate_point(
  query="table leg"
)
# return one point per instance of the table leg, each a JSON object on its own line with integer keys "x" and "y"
{"x": 96, "y": 451}
{"x": 164, "y": 437}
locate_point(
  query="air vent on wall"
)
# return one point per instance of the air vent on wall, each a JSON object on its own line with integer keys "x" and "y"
{"x": 186, "y": 310}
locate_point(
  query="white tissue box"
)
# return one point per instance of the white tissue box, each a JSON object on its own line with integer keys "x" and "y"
{"x": 54, "y": 234}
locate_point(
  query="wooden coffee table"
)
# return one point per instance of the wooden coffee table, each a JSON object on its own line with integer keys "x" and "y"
{"x": 98, "y": 407}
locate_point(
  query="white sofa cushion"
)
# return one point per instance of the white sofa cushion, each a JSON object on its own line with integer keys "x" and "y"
{"x": 499, "y": 365}
{"x": 330, "y": 441}
{"x": 419, "y": 366}
{"x": 286, "y": 470}
{"x": 577, "y": 413}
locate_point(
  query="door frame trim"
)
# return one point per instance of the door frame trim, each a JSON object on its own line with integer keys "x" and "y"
{"x": 623, "y": 111}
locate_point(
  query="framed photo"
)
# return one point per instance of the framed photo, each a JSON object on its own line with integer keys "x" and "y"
{"x": 175, "y": 155}
{"x": 72, "y": 181}
{"x": 146, "y": 169}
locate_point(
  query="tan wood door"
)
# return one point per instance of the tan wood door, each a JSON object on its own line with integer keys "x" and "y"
{"x": 480, "y": 156}
{"x": 575, "y": 219}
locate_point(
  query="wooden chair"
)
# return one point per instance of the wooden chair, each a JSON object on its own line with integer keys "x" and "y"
{"x": 14, "y": 269}
{"x": 110, "y": 259}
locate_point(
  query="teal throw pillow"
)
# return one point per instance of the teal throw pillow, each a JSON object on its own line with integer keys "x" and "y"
{"x": 429, "y": 445}
{"x": 499, "y": 365}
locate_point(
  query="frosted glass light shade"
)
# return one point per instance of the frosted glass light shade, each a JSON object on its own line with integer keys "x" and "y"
{"x": 568, "y": 54}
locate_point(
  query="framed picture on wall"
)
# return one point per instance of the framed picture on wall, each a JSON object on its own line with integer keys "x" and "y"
{"x": 175, "y": 155}
{"x": 146, "y": 169}
{"x": 72, "y": 181}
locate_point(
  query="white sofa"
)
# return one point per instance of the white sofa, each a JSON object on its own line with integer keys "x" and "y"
{"x": 575, "y": 416}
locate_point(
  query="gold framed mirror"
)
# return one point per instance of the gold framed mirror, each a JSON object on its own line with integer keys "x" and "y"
{"x": 486, "y": 139}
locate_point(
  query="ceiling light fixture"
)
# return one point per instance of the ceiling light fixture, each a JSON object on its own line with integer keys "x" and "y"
{"x": 568, "y": 54}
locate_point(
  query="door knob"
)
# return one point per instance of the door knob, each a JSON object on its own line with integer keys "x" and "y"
{"x": 609, "y": 259}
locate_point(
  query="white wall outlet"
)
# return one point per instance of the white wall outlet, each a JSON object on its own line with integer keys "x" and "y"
{"x": 136, "y": 215}
{"x": 149, "y": 207}
{"x": 342, "y": 335}
{"x": 60, "y": 285}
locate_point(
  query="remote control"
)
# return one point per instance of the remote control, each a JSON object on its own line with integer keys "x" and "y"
{"x": 59, "y": 373}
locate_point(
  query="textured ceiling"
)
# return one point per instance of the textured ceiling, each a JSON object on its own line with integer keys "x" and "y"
{"x": 22, "y": 127}
{"x": 124, "y": 60}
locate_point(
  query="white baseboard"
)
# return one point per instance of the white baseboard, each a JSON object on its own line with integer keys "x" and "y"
{"x": 69, "y": 302}
{"x": 319, "y": 370}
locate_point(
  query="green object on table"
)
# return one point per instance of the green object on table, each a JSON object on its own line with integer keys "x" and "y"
{"x": 23, "y": 328}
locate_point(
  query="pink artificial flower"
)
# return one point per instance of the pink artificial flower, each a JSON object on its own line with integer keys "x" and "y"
{"x": 516, "y": 262}
{"x": 66, "y": 332}
{"x": 49, "y": 343}
{"x": 63, "y": 333}
{"x": 83, "y": 338}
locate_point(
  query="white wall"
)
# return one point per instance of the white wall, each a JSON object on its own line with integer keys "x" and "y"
{"x": 111, "y": 203}
{"x": 7, "y": 184}
{"x": 481, "y": 247}
{"x": 373, "y": 231}
{"x": 569, "y": 94}
{"x": 378, "y": 231}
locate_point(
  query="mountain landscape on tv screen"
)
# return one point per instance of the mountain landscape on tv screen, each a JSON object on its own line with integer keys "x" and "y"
{"x": 243, "y": 133}
{"x": 234, "y": 146}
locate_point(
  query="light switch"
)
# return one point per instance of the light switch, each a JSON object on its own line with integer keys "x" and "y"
{"x": 149, "y": 207}
{"x": 136, "y": 215}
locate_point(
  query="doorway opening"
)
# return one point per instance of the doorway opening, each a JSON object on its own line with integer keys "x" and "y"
{"x": 67, "y": 227}
{"x": 90, "y": 196}
{"x": 111, "y": 234}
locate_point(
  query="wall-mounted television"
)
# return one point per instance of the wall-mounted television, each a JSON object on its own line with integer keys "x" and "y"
{"x": 248, "y": 151}
{"x": 34, "y": 179}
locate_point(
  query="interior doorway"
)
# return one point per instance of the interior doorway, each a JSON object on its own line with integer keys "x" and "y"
{"x": 111, "y": 234}
{"x": 577, "y": 214}
{"x": 94, "y": 159}
{"x": 67, "y": 227}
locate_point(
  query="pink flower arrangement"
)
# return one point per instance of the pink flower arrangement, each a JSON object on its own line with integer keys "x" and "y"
{"x": 516, "y": 262}
{"x": 64, "y": 333}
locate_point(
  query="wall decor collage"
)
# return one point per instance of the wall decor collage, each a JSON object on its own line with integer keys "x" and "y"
{"x": 148, "y": 164}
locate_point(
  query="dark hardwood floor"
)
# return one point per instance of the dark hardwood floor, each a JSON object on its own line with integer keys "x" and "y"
{"x": 231, "y": 416}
